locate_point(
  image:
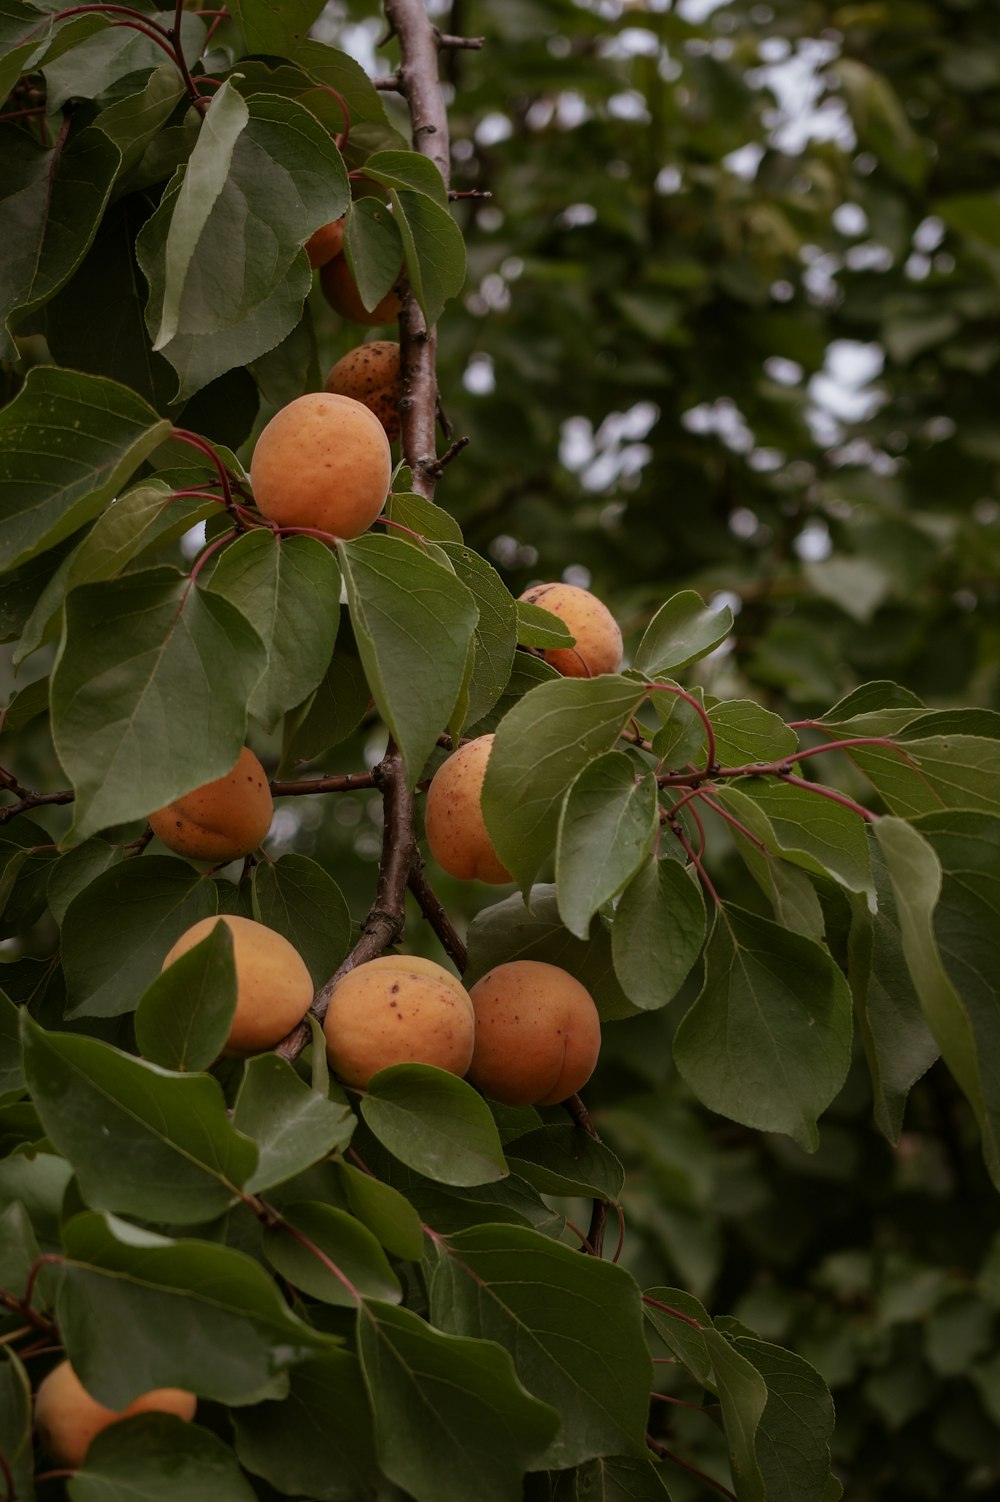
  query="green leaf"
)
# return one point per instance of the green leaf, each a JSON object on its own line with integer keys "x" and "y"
{"x": 744, "y": 732}
{"x": 47, "y": 188}
{"x": 541, "y": 745}
{"x": 39, "y": 1181}
{"x": 437, "y": 1395}
{"x": 681, "y": 631}
{"x": 15, "y": 1425}
{"x": 938, "y": 771}
{"x": 334, "y": 711}
{"x": 566, "y": 1160}
{"x": 898, "y": 1044}
{"x": 113, "y": 53}
{"x": 142, "y": 1140}
{"x": 276, "y": 28}
{"x": 433, "y": 247}
{"x": 363, "y": 1266}
{"x": 685, "y": 1339}
{"x": 542, "y": 1300}
{"x": 681, "y": 735}
{"x": 137, "y": 1311}
{"x": 616, "y": 1478}
{"x": 435, "y": 1123}
{"x": 788, "y": 888}
{"x": 811, "y": 831}
{"x": 743, "y": 1396}
{"x": 792, "y": 1438}
{"x": 407, "y": 169}
{"x": 154, "y": 1457}
{"x": 292, "y": 1125}
{"x": 413, "y": 620}
{"x": 18, "y": 1250}
{"x": 658, "y": 932}
{"x": 132, "y": 650}
{"x": 606, "y": 830}
{"x": 133, "y": 121}
{"x": 768, "y": 1041}
{"x": 290, "y": 593}
{"x": 432, "y": 522}
{"x": 11, "y": 1071}
{"x": 337, "y": 70}
{"x": 297, "y": 898}
{"x": 374, "y": 249}
{"x": 386, "y": 1212}
{"x": 118, "y": 929}
{"x": 496, "y": 630}
{"x": 515, "y": 930}
{"x": 538, "y": 627}
{"x": 25, "y": 866}
{"x": 67, "y": 442}
{"x": 318, "y": 1442}
{"x": 182, "y": 1021}
{"x": 222, "y": 253}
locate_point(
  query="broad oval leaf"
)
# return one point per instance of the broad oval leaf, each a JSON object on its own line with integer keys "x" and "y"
{"x": 183, "y": 1019}
{"x": 435, "y": 1123}
{"x": 297, "y": 898}
{"x": 154, "y": 1457}
{"x": 658, "y": 932}
{"x": 680, "y": 632}
{"x": 606, "y": 829}
{"x": 363, "y": 1270}
{"x": 292, "y": 1125}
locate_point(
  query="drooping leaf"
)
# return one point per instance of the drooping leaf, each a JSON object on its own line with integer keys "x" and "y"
{"x": 297, "y": 898}
{"x": 15, "y": 1423}
{"x": 292, "y": 1125}
{"x": 806, "y": 828}
{"x": 433, "y": 247}
{"x": 434, "y": 1123}
{"x": 183, "y": 1019}
{"x": 153, "y": 1457}
{"x": 143, "y": 1141}
{"x": 658, "y": 932}
{"x": 566, "y": 1160}
{"x": 386, "y": 1212}
{"x": 138, "y": 1310}
{"x": 435, "y": 1394}
{"x": 374, "y": 249}
{"x": 682, "y": 631}
{"x": 363, "y": 1270}
{"x": 792, "y": 1439}
{"x": 132, "y": 650}
{"x": 768, "y": 1041}
{"x": 607, "y": 827}
{"x": 680, "y": 1321}
{"x": 495, "y": 636}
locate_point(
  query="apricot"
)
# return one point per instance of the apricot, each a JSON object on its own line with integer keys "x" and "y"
{"x": 538, "y": 1034}
{"x": 370, "y": 374}
{"x": 323, "y": 461}
{"x": 325, "y": 243}
{"x": 453, "y": 818}
{"x": 69, "y": 1418}
{"x": 221, "y": 820}
{"x": 398, "y": 1010}
{"x": 273, "y": 986}
{"x": 598, "y": 647}
{"x": 341, "y": 291}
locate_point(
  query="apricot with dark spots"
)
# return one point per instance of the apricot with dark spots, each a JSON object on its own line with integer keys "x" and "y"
{"x": 370, "y": 374}
{"x": 221, "y": 820}
{"x": 598, "y": 645}
{"x": 398, "y": 1009}
{"x": 538, "y": 1034}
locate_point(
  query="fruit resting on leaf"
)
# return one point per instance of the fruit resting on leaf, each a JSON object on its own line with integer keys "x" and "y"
{"x": 398, "y": 1010}
{"x": 68, "y": 1418}
{"x": 322, "y": 462}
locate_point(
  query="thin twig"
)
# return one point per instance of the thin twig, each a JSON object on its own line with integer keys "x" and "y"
{"x": 665, "y": 1454}
{"x": 432, "y": 909}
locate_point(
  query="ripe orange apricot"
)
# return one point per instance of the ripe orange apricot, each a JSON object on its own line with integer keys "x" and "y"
{"x": 538, "y": 1034}
{"x": 598, "y": 647}
{"x": 325, "y": 243}
{"x": 370, "y": 373}
{"x": 453, "y": 818}
{"x": 273, "y": 987}
{"x": 69, "y": 1418}
{"x": 341, "y": 291}
{"x": 323, "y": 461}
{"x": 398, "y": 1010}
{"x": 220, "y": 820}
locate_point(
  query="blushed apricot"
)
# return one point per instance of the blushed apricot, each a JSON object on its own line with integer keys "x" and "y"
{"x": 538, "y": 1034}
{"x": 273, "y": 986}
{"x": 370, "y": 374}
{"x": 69, "y": 1418}
{"x": 221, "y": 820}
{"x": 323, "y": 461}
{"x": 453, "y": 818}
{"x": 341, "y": 291}
{"x": 325, "y": 243}
{"x": 398, "y": 1010}
{"x": 598, "y": 647}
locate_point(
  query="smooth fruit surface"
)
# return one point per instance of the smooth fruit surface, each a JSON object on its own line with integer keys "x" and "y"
{"x": 221, "y": 820}
{"x": 69, "y": 1418}
{"x": 325, "y": 243}
{"x": 453, "y": 818}
{"x": 323, "y": 461}
{"x": 398, "y": 1010}
{"x": 598, "y": 647}
{"x": 273, "y": 986}
{"x": 341, "y": 292}
{"x": 538, "y": 1034}
{"x": 370, "y": 373}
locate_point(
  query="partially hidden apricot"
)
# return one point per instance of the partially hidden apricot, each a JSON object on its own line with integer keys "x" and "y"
{"x": 341, "y": 291}
{"x": 538, "y": 1034}
{"x": 323, "y": 462}
{"x": 69, "y": 1418}
{"x": 220, "y": 820}
{"x": 370, "y": 373}
{"x": 325, "y": 243}
{"x": 453, "y": 817}
{"x": 273, "y": 987}
{"x": 598, "y": 647}
{"x": 399, "y": 1009}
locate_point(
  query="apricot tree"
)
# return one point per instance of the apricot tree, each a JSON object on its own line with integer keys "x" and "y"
{"x": 378, "y": 1282}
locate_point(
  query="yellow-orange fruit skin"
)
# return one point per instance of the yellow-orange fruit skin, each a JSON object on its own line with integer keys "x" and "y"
{"x": 273, "y": 986}
{"x": 453, "y": 817}
{"x": 370, "y": 374}
{"x": 325, "y": 243}
{"x": 221, "y": 820}
{"x": 323, "y": 461}
{"x": 538, "y": 1034}
{"x": 398, "y": 1010}
{"x": 598, "y": 647}
{"x": 341, "y": 292}
{"x": 69, "y": 1418}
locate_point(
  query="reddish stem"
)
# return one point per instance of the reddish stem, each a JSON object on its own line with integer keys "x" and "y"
{"x": 832, "y": 795}
{"x": 666, "y": 1454}
{"x": 696, "y": 861}
{"x": 197, "y": 442}
{"x": 213, "y": 547}
{"x": 680, "y": 693}
{"x": 737, "y": 824}
{"x": 669, "y": 1309}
